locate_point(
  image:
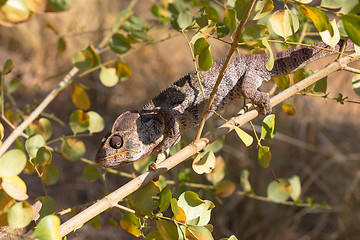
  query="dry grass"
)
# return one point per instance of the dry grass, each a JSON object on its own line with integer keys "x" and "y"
{"x": 329, "y": 173}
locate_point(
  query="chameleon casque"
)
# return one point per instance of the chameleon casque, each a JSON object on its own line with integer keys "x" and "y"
{"x": 158, "y": 126}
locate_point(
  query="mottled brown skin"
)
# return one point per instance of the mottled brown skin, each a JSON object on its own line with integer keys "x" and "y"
{"x": 159, "y": 124}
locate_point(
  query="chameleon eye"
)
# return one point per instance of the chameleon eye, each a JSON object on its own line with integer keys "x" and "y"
{"x": 116, "y": 141}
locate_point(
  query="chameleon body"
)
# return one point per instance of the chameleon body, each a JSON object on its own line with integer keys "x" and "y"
{"x": 136, "y": 134}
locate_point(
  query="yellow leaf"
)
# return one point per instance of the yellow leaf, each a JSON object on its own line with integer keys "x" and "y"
{"x": 15, "y": 187}
{"x": 79, "y": 97}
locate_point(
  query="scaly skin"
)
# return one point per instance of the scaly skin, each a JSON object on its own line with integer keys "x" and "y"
{"x": 159, "y": 124}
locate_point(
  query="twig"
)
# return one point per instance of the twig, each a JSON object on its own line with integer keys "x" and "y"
{"x": 113, "y": 198}
{"x": 233, "y": 47}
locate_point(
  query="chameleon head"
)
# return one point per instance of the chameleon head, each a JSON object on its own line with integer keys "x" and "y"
{"x": 122, "y": 145}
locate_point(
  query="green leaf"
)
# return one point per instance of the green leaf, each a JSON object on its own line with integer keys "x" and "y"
{"x": 282, "y": 82}
{"x": 72, "y": 149}
{"x": 244, "y": 180}
{"x": 108, "y": 77}
{"x": 91, "y": 173}
{"x": 295, "y": 187}
{"x": 154, "y": 235}
{"x": 50, "y": 175}
{"x": 86, "y": 58}
{"x": 184, "y": 19}
{"x": 264, "y": 156}
{"x": 12, "y": 163}
{"x": 212, "y": 13}
{"x": 167, "y": 229}
{"x": 339, "y": 4}
{"x": 218, "y": 173}
{"x": 205, "y": 60}
{"x": 201, "y": 18}
{"x": 200, "y": 45}
{"x": 253, "y": 35}
{"x": 288, "y": 109}
{"x": 48, "y": 206}
{"x": 301, "y": 74}
{"x": 135, "y": 23}
{"x": 230, "y": 19}
{"x": 119, "y": 43}
{"x": 33, "y": 143}
{"x": 43, "y": 156}
{"x": 279, "y": 191}
{"x": 79, "y": 97}
{"x": 321, "y": 86}
{"x": 142, "y": 199}
{"x": 13, "y": 85}
{"x": 245, "y": 138}
{"x": 96, "y": 122}
{"x": 197, "y": 211}
{"x": 270, "y": 62}
{"x": 351, "y": 24}
{"x": 268, "y": 127}
{"x": 222, "y": 30}
{"x": 8, "y": 66}
{"x": 131, "y": 223}
{"x": 216, "y": 145}
{"x": 356, "y": 84}
{"x": 198, "y": 232}
{"x": 204, "y": 163}
{"x": 165, "y": 199}
{"x": 240, "y": 7}
{"x": 79, "y": 121}
{"x": 319, "y": 18}
{"x": 20, "y": 215}
{"x": 224, "y": 188}
{"x": 60, "y": 5}
{"x": 61, "y": 44}
{"x": 48, "y": 228}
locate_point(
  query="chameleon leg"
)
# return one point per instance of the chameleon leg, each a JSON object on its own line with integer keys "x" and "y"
{"x": 249, "y": 90}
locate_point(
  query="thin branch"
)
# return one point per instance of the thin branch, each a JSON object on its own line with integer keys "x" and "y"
{"x": 113, "y": 198}
{"x": 234, "y": 45}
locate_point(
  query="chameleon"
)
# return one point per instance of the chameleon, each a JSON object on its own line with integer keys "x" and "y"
{"x": 159, "y": 124}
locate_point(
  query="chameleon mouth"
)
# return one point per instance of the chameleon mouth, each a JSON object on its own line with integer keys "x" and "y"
{"x": 108, "y": 164}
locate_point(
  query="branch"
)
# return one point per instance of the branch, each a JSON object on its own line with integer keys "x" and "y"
{"x": 113, "y": 198}
{"x": 233, "y": 47}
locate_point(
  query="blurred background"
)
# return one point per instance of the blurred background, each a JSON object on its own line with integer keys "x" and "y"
{"x": 320, "y": 143}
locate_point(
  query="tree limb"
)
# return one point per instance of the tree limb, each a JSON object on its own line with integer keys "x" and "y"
{"x": 113, "y": 198}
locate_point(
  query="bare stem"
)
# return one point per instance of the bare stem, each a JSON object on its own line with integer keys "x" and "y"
{"x": 233, "y": 47}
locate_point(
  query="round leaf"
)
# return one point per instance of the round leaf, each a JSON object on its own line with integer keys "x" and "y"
{"x": 20, "y": 215}
{"x": 131, "y": 223}
{"x": 48, "y": 206}
{"x": 165, "y": 199}
{"x": 48, "y": 228}
{"x": 79, "y": 121}
{"x": 282, "y": 82}
{"x": 253, "y": 35}
{"x": 295, "y": 187}
{"x": 91, "y": 173}
{"x": 79, "y": 97}
{"x": 288, "y": 109}
{"x": 204, "y": 163}
{"x": 8, "y": 66}
{"x": 42, "y": 127}
{"x": 284, "y": 23}
{"x": 224, "y": 188}
{"x": 15, "y": 188}
{"x": 218, "y": 173}
{"x": 142, "y": 199}
{"x": 86, "y": 58}
{"x": 97, "y": 123}
{"x": 264, "y": 156}
{"x": 261, "y": 9}
{"x": 43, "y": 156}
{"x": 33, "y": 143}
{"x": 119, "y": 43}
{"x": 167, "y": 229}
{"x": 279, "y": 191}
{"x": 5, "y": 203}
{"x": 108, "y": 77}
{"x": 184, "y": 19}
{"x": 14, "y": 12}
{"x": 179, "y": 214}
{"x": 198, "y": 232}
{"x": 50, "y": 174}
{"x": 12, "y": 163}
{"x": 205, "y": 59}
{"x": 123, "y": 70}
{"x": 351, "y": 24}
{"x": 72, "y": 149}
